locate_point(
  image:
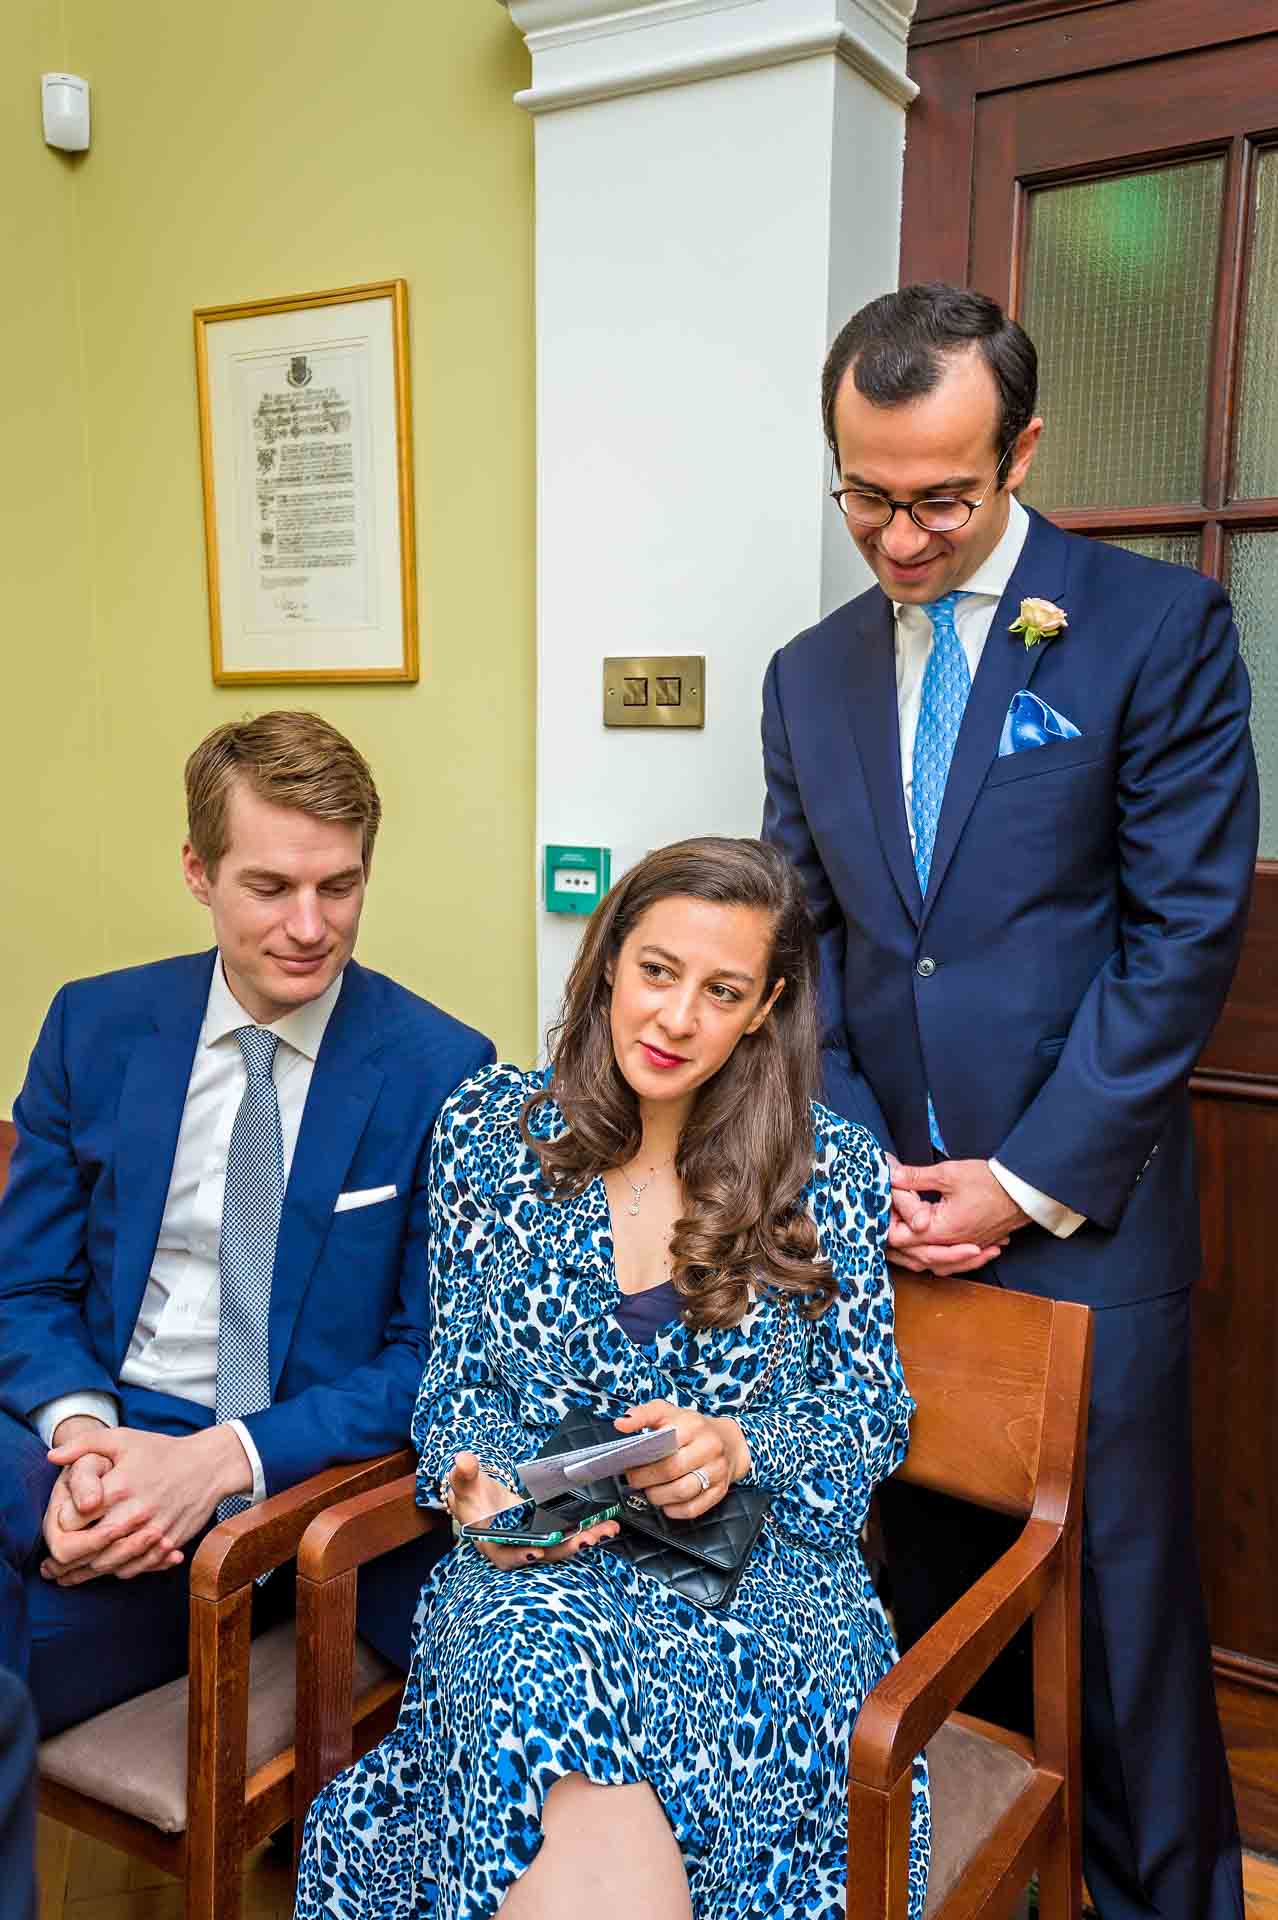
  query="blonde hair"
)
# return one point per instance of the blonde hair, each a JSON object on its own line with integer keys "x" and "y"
{"x": 289, "y": 759}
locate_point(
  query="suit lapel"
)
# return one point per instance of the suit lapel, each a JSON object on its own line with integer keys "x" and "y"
{"x": 1006, "y": 666}
{"x": 148, "y": 1120}
{"x": 872, "y": 708}
{"x": 342, "y": 1094}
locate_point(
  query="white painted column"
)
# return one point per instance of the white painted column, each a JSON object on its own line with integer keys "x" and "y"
{"x": 718, "y": 188}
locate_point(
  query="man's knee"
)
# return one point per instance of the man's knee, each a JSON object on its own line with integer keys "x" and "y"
{"x": 106, "y": 1641}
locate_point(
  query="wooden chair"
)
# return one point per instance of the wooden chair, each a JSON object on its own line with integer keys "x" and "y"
{"x": 1001, "y": 1380}
{"x": 193, "y": 1774}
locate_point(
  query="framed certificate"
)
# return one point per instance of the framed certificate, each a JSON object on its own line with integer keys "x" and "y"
{"x": 306, "y": 454}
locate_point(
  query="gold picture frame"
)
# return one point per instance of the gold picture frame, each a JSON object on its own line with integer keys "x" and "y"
{"x": 306, "y": 460}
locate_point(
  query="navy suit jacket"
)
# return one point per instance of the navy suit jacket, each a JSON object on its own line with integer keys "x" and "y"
{"x": 1085, "y": 904}
{"x": 97, "y": 1124}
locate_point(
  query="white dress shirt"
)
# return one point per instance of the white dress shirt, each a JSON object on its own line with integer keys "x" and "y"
{"x": 973, "y": 617}
{"x": 174, "y": 1344}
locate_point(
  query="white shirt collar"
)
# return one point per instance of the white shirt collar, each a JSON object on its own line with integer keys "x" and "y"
{"x": 303, "y": 1029}
{"x": 994, "y": 572}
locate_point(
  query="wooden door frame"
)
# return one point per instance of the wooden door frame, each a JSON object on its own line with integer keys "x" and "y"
{"x": 960, "y": 55}
{"x": 964, "y": 54}
{"x": 1012, "y": 136}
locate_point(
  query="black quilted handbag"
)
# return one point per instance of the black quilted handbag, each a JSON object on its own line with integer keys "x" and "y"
{"x": 702, "y": 1559}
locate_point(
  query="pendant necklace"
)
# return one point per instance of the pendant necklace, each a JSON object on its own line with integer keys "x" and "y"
{"x": 639, "y": 1188}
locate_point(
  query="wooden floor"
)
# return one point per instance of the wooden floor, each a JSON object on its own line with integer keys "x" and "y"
{"x": 1260, "y": 1883}
{"x": 104, "y": 1885}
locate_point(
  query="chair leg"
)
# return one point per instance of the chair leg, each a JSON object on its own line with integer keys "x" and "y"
{"x": 1060, "y": 1892}
{"x": 879, "y": 1850}
{"x": 217, "y": 1738}
{"x": 53, "y": 1864}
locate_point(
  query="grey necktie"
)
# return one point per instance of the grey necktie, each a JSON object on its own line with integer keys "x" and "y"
{"x": 250, "y": 1228}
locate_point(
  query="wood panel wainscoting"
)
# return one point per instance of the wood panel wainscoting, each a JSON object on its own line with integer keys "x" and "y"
{"x": 1236, "y": 1426}
{"x": 1020, "y": 99}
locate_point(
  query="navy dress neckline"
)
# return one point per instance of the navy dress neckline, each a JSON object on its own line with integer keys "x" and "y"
{"x": 642, "y": 1315}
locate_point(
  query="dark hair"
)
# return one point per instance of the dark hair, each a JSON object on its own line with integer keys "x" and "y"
{"x": 896, "y": 347}
{"x": 745, "y": 1155}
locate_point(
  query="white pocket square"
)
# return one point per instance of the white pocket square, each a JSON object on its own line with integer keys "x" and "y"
{"x": 363, "y": 1197}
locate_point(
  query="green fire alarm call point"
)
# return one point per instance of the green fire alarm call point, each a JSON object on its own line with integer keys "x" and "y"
{"x": 577, "y": 878}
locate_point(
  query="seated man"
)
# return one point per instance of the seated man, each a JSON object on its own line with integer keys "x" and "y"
{"x": 213, "y": 1271}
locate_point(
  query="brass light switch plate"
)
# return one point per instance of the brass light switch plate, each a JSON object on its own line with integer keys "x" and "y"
{"x": 655, "y": 690}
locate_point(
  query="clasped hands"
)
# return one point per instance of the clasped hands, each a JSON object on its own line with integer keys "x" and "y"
{"x": 715, "y": 1447}
{"x": 126, "y": 1502}
{"x": 965, "y": 1227}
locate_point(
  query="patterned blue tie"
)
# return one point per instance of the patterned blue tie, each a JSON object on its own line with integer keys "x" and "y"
{"x": 946, "y": 685}
{"x": 250, "y": 1228}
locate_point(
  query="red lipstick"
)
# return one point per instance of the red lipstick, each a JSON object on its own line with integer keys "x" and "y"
{"x": 657, "y": 1058}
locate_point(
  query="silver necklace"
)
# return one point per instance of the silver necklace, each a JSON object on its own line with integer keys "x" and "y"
{"x": 640, "y": 1187}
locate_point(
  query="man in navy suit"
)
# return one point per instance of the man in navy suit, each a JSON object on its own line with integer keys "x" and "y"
{"x": 1027, "y": 833}
{"x": 213, "y": 1244}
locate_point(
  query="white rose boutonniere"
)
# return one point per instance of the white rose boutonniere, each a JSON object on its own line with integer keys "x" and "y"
{"x": 1039, "y": 620}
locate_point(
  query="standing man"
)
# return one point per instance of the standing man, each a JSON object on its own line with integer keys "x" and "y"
{"x": 213, "y": 1257}
{"x": 1017, "y": 777}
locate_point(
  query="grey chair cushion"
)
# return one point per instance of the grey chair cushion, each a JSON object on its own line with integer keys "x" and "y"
{"x": 974, "y": 1782}
{"x": 133, "y": 1757}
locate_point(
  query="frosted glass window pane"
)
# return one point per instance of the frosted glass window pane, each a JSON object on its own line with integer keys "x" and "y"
{"x": 1119, "y": 284}
{"x": 1253, "y": 588}
{"x": 1180, "y": 548}
{"x": 1256, "y": 467}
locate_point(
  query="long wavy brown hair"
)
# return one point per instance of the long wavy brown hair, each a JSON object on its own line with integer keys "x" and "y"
{"x": 745, "y": 1155}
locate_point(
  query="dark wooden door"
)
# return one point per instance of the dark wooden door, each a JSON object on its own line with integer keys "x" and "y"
{"x": 1109, "y": 171}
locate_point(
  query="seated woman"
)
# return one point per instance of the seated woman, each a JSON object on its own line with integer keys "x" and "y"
{"x": 665, "y": 1229}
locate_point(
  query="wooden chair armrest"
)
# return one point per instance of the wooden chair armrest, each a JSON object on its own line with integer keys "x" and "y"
{"x": 254, "y": 1542}
{"x": 223, "y": 1570}
{"x": 362, "y": 1528}
{"x": 912, "y": 1700}
{"x": 336, "y": 1544}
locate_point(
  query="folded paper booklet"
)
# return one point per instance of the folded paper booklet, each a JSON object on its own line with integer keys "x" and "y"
{"x": 561, "y": 1473}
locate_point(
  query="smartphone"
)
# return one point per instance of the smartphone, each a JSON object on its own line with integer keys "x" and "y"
{"x": 529, "y": 1525}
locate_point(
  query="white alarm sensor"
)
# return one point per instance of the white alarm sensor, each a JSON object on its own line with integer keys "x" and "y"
{"x": 66, "y": 111}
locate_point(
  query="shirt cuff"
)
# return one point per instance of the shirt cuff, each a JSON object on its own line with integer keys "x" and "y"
{"x": 46, "y": 1419}
{"x": 254, "y": 1459}
{"x": 1058, "y": 1219}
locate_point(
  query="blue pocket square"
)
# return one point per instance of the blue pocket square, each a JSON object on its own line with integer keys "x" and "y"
{"x": 1031, "y": 722}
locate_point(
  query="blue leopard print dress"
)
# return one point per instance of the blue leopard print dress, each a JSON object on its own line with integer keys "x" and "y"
{"x": 739, "y": 1718}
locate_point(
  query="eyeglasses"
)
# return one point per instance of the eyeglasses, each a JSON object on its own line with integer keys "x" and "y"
{"x": 866, "y": 510}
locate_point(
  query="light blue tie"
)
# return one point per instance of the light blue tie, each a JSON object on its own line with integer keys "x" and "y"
{"x": 946, "y": 685}
{"x": 250, "y": 1228}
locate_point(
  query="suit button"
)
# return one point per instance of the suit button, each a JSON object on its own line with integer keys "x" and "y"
{"x": 926, "y": 967}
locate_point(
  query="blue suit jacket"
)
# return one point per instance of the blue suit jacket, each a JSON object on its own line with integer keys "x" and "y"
{"x": 1085, "y": 905}
{"x": 97, "y": 1124}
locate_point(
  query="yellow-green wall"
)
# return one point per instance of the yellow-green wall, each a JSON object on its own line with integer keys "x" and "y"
{"x": 240, "y": 152}
{"x": 51, "y": 904}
